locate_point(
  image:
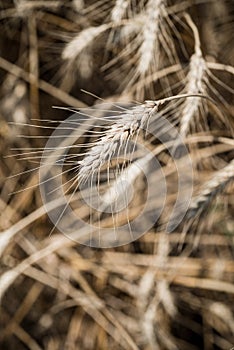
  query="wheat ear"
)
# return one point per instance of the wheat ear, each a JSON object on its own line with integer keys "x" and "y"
{"x": 116, "y": 137}
{"x": 210, "y": 189}
{"x": 78, "y": 5}
{"x": 197, "y": 82}
{"x": 83, "y": 40}
{"x": 155, "y": 11}
{"x": 119, "y": 10}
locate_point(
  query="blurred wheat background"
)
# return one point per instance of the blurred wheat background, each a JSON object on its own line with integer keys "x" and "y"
{"x": 164, "y": 291}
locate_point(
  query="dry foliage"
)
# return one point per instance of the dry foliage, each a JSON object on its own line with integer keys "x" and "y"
{"x": 171, "y": 291}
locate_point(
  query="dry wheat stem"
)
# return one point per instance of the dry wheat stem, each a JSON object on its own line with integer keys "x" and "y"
{"x": 22, "y": 5}
{"x": 88, "y": 301}
{"x": 43, "y": 85}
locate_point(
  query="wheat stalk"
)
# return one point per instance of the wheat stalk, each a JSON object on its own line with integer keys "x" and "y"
{"x": 152, "y": 293}
{"x": 25, "y": 5}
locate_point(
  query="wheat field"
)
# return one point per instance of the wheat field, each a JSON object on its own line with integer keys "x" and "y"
{"x": 118, "y": 108}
